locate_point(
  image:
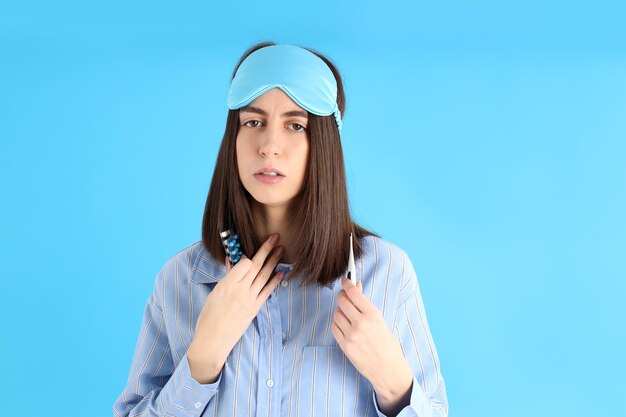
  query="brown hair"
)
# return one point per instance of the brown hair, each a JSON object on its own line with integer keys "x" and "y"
{"x": 320, "y": 211}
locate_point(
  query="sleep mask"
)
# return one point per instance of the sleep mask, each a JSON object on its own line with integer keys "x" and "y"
{"x": 301, "y": 74}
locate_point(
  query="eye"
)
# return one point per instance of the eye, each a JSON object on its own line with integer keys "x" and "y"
{"x": 298, "y": 127}
{"x": 251, "y": 121}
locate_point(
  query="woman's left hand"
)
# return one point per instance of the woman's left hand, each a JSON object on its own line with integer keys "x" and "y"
{"x": 363, "y": 335}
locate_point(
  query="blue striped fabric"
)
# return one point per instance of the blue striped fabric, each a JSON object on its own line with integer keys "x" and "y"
{"x": 287, "y": 363}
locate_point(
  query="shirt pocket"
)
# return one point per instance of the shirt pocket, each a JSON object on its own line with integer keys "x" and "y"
{"x": 328, "y": 384}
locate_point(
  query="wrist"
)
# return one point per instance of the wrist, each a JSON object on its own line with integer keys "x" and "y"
{"x": 393, "y": 406}
{"x": 202, "y": 352}
{"x": 396, "y": 386}
{"x": 204, "y": 367}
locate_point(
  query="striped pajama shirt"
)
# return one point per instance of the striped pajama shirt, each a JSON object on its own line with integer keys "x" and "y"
{"x": 287, "y": 362}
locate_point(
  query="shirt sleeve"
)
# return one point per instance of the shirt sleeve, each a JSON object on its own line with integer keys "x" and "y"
{"x": 156, "y": 385}
{"x": 428, "y": 393}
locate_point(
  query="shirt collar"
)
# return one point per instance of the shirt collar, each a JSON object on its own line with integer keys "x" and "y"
{"x": 207, "y": 271}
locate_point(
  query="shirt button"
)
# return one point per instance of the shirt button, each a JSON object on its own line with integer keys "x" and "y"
{"x": 270, "y": 383}
{"x": 198, "y": 404}
{"x": 283, "y": 283}
{"x": 284, "y": 335}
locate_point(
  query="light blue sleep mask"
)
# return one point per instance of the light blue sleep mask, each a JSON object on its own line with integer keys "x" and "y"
{"x": 301, "y": 74}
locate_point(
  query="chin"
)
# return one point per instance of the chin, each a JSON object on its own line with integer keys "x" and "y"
{"x": 270, "y": 196}
{"x": 267, "y": 199}
{"x": 272, "y": 202}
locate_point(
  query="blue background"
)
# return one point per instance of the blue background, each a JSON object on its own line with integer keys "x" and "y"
{"x": 486, "y": 139}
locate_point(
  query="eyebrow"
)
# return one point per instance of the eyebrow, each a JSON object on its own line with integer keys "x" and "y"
{"x": 252, "y": 109}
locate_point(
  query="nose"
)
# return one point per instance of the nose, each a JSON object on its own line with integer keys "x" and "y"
{"x": 271, "y": 141}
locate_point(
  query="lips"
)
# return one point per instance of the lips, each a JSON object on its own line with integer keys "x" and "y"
{"x": 269, "y": 179}
{"x": 269, "y": 170}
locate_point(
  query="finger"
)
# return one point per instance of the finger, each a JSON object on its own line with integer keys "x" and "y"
{"x": 338, "y": 333}
{"x": 342, "y": 321}
{"x": 356, "y": 296}
{"x": 259, "y": 257}
{"x": 350, "y": 311}
{"x": 240, "y": 269}
{"x": 266, "y": 272}
{"x": 228, "y": 266}
{"x": 360, "y": 286}
{"x": 269, "y": 287}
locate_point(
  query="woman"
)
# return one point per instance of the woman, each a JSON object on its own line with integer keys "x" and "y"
{"x": 284, "y": 332}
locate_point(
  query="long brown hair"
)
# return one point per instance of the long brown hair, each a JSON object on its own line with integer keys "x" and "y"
{"x": 320, "y": 211}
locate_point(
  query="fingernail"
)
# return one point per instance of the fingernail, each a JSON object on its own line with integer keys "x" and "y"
{"x": 273, "y": 238}
{"x": 279, "y": 251}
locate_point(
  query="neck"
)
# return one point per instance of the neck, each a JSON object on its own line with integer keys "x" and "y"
{"x": 269, "y": 220}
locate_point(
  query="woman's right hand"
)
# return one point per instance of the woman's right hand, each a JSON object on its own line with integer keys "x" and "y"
{"x": 230, "y": 308}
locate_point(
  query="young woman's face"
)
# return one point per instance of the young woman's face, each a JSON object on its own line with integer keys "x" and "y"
{"x": 272, "y": 135}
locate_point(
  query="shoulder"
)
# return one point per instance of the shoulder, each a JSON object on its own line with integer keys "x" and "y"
{"x": 193, "y": 263}
{"x": 382, "y": 249}
{"x": 385, "y": 263}
{"x": 183, "y": 259}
